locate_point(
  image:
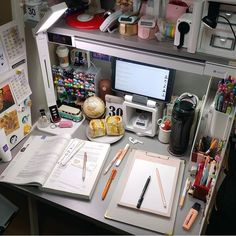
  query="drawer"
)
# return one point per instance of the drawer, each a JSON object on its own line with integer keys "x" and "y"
{"x": 226, "y": 43}
{"x": 219, "y": 42}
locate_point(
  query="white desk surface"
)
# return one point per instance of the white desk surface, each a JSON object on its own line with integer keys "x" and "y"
{"x": 95, "y": 209}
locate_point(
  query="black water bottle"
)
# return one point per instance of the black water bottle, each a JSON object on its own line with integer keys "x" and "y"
{"x": 182, "y": 119}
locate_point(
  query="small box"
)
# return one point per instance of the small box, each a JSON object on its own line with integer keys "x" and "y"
{"x": 147, "y": 27}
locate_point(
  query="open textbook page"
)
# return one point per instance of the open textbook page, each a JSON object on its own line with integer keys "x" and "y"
{"x": 78, "y": 178}
{"x": 35, "y": 161}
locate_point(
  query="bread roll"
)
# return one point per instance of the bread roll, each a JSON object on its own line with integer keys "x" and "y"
{"x": 114, "y": 125}
{"x": 97, "y": 128}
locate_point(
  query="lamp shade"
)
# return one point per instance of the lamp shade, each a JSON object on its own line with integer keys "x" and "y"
{"x": 213, "y": 12}
{"x": 209, "y": 22}
{"x": 50, "y": 17}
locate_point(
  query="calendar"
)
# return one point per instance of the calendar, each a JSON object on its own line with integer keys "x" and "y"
{"x": 4, "y": 66}
{"x": 20, "y": 86}
{"x": 114, "y": 105}
{"x": 12, "y": 42}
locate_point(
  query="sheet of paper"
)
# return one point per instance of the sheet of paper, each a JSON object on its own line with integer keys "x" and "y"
{"x": 153, "y": 199}
{"x": 20, "y": 87}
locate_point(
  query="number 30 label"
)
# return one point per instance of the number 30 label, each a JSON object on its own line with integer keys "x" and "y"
{"x": 114, "y": 109}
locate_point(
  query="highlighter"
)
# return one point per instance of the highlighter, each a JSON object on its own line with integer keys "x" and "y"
{"x": 191, "y": 217}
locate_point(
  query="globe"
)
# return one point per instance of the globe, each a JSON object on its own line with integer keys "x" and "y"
{"x": 94, "y": 107}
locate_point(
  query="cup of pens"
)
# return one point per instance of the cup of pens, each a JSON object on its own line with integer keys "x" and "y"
{"x": 224, "y": 104}
{"x": 225, "y": 96}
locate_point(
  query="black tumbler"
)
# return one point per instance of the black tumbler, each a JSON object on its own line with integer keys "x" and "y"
{"x": 182, "y": 120}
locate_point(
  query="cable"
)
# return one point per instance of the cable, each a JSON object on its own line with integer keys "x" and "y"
{"x": 230, "y": 26}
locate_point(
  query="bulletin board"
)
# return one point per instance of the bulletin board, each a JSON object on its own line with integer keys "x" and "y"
{"x": 15, "y": 103}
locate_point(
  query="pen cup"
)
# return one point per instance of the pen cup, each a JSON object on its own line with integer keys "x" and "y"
{"x": 164, "y": 135}
{"x": 164, "y": 129}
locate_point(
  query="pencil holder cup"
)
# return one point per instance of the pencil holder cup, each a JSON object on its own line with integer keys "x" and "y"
{"x": 219, "y": 124}
{"x": 164, "y": 129}
{"x": 164, "y": 135}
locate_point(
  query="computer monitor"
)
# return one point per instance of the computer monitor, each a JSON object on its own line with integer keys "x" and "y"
{"x": 151, "y": 81}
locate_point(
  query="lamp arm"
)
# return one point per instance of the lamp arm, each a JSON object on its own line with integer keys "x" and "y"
{"x": 229, "y": 25}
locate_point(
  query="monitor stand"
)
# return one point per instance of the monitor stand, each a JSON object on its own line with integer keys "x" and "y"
{"x": 141, "y": 118}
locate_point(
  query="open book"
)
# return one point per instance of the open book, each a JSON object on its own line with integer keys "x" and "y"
{"x": 58, "y": 164}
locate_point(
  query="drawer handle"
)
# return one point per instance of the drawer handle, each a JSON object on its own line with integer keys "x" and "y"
{"x": 228, "y": 14}
{"x": 223, "y": 40}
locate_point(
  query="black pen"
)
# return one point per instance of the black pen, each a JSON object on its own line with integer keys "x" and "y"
{"x": 140, "y": 200}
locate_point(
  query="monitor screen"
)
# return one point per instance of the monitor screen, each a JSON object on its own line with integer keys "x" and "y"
{"x": 150, "y": 81}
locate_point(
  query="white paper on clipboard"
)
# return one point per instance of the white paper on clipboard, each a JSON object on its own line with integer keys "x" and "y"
{"x": 143, "y": 167}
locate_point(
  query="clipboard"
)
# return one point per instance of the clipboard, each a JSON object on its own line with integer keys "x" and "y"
{"x": 160, "y": 193}
{"x": 143, "y": 219}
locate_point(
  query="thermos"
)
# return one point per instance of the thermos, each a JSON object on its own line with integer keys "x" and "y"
{"x": 182, "y": 119}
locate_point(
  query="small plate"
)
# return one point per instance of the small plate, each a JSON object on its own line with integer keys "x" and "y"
{"x": 104, "y": 139}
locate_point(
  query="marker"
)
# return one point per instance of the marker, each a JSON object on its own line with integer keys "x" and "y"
{"x": 122, "y": 155}
{"x": 185, "y": 190}
{"x": 191, "y": 217}
{"x": 140, "y": 200}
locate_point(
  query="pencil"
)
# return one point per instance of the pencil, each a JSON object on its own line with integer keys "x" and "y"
{"x": 108, "y": 184}
{"x": 161, "y": 188}
{"x": 185, "y": 190}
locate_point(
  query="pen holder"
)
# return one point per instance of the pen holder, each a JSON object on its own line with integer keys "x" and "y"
{"x": 219, "y": 124}
{"x": 200, "y": 192}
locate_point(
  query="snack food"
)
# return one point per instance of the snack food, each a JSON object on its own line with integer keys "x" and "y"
{"x": 114, "y": 125}
{"x": 97, "y": 128}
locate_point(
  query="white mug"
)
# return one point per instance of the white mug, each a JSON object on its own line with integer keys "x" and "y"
{"x": 5, "y": 153}
{"x": 164, "y": 135}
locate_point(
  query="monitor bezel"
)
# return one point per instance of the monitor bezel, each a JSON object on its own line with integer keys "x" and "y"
{"x": 170, "y": 84}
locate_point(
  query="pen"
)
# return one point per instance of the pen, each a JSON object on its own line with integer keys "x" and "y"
{"x": 140, "y": 200}
{"x": 185, "y": 190}
{"x": 212, "y": 170}
{"x": 122, "y": 155}
{"x": 213, "y": 146}
{"x": 112, "y": 162}
{"x": 84, "y": 166}
{"x": 108, "y": 184}
{"x": 161, "y": 188}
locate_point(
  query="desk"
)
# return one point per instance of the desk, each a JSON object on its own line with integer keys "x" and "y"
{"x": 95, "y": 209}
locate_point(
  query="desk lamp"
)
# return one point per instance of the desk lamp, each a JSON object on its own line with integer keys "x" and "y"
{"x": 40, "y": 32}
{"x": 213, "y": 14}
